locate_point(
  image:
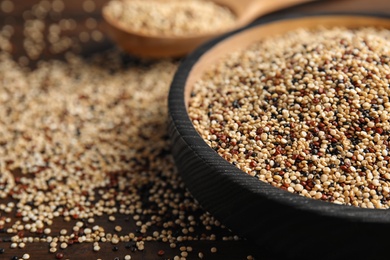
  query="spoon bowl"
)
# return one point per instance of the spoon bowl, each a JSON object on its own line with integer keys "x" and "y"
{"x": 146, "y": 45}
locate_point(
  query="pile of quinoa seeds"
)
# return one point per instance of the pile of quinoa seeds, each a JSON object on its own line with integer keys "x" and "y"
{"x": 174, "y": 17}
{"x": 307, "y": 111}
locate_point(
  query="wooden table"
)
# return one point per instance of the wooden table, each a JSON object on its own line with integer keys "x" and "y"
{"x": 76, "y": 9}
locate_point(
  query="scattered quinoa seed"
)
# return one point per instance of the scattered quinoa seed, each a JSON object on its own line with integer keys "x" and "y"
{"x": 83, "y": 139}
{"x": 118, "y": 228}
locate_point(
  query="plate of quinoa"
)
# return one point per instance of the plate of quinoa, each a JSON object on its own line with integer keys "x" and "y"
{"x": 281, "y": 130}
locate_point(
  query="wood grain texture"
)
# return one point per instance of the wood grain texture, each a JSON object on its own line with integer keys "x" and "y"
{"x": 283, "y": 225}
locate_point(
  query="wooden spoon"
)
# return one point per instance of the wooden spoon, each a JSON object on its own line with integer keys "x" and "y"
{"x": 145, "y": 45}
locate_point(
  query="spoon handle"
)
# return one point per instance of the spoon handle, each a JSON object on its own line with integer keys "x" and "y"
{"x": 249, "y": 10}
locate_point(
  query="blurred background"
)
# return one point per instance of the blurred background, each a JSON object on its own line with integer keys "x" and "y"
{"x": 77, "y": 25}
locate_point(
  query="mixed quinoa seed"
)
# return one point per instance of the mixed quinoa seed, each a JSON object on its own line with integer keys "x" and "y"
{"x": 307, "y": 111}
{"x": 177, "y": 17}
{"x": 83, "y": 140}
{"x": 84, "y": 146}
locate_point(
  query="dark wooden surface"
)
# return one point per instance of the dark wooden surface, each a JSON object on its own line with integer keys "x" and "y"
{"x": 74, "y": 9}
